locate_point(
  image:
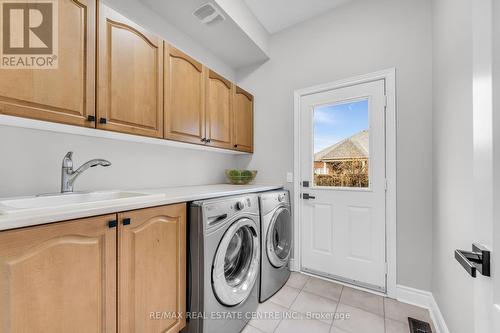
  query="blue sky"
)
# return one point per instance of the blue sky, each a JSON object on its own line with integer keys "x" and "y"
{"x": 333, "y": 123}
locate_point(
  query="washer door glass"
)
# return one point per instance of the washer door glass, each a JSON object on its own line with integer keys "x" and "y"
{"x": 279, "y": 237}
{"x": 236, "y": 263}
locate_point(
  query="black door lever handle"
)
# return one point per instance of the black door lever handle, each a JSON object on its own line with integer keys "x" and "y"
{"x": 477, "y": 260}
{"x": 307, "y": 196}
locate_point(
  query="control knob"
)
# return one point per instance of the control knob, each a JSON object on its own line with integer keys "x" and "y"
{"x": 240, "y": 205}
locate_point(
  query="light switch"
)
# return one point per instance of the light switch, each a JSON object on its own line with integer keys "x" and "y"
{"x": 289, "y": 177}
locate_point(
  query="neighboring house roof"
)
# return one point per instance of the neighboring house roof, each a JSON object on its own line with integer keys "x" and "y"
{"x": 356, "y": 146}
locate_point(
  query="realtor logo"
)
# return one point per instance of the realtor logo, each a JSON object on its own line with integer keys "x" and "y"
{"x": 29, "y": 34}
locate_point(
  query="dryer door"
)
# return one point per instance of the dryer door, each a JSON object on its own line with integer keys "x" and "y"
{"x": 236, "y": 262}
{"x": 279, "y": 237}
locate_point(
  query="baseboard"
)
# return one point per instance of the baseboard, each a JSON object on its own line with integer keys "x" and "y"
{"x": 413, "y": 296}
{"x": 423, "y": 299}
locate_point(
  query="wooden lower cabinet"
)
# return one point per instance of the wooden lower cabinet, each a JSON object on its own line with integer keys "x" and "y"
{"x": 152, "y": 269}
{"x": 98, "y": 274}
{"x": 59, "y": 277}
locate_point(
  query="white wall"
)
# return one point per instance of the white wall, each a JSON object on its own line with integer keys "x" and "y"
{"x": 31, "y": 163}
{"x": 453, "y": 160}
{"x": 30, "y": 160}
{"x": 358, "y": 38}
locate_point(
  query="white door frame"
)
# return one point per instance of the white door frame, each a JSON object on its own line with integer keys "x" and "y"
{"x": 389, "y": 76}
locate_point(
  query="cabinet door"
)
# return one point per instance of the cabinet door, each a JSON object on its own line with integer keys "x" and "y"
{"x": 59, "y": 277}
{"x": 219, "y": 111}
{"x": 152, "y": 269}
{"x": 243, "y": 120}
{"x": 184, "y": 97}
{"x": 66, "y": 94}
{"x": 130, "y": 77}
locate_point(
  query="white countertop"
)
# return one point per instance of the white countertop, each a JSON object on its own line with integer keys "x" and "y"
{"x": 169, "y": 195}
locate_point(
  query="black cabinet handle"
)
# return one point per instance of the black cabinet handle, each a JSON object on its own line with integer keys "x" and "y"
{"x": 112, "y": 224}
{"x": 126, "y": 221}
{"x": 102, "y": 121}
{"x": 203, "y": 140}
{"x": 235, "y": 146}
{"x": 208, "y": 140}
{"x": 90, "y": 118}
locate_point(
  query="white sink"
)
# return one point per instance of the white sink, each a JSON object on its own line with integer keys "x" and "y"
{"x": 72, "y": 201}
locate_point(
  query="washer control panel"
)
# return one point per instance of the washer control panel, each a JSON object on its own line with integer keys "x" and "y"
{"x": 216, "y": 211}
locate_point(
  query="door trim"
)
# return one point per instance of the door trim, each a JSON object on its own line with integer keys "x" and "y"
{"x": 389, "y": 76}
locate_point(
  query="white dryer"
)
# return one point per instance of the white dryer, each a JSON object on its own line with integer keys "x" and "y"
{"x": 276, "y": 241}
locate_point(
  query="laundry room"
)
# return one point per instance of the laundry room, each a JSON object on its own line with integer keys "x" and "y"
{"x": 227, "y": 166}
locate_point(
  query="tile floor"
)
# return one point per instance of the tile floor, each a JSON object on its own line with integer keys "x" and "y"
{"x": 356, "y": 311}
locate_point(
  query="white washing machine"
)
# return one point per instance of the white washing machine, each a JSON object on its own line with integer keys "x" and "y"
{"x": 276, "y": 241}
{"x": 223, "y": 264}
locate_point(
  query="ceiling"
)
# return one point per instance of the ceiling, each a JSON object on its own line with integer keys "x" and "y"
{"x": 224, "y": 39}
{"x": 241, "y": 39}
{"x": 276, "y": 15}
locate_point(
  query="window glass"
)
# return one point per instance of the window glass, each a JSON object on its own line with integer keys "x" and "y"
{"x": 342, "y": 145}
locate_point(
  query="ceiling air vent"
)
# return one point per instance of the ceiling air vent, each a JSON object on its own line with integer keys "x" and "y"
{"x": 208, "y": 14}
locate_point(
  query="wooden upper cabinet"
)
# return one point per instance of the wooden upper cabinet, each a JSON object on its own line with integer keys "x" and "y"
{"x": 130, "y": 77}
{"x": 59, "y": 277}
{"x": 66, "y": 94}
{"x": 152, "y": 269}
{"x": 184, "y": 97}
{"x": 243, "y": 120}
{"x": 219, "y": 113}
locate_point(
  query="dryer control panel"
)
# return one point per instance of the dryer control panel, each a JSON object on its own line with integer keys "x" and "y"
{"x": 272, "y": 199}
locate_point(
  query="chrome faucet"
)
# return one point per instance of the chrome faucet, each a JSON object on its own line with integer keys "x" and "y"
{"x": 69, "y": 176}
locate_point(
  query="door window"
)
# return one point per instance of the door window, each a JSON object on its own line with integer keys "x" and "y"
{"x": 341, "y": 145}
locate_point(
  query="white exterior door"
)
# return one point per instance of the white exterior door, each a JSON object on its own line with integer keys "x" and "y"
{"x": 342, "y": 165}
